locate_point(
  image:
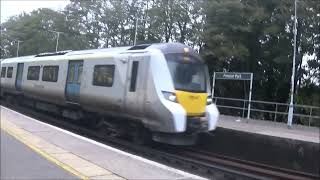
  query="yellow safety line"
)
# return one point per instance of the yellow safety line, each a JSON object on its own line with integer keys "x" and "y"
{"x": 46, "y": 155}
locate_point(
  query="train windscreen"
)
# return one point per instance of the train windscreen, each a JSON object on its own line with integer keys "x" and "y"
{"x": 188, "y": 73}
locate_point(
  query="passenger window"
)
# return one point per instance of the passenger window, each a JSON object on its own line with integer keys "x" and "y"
{"x": 134, "y": 73}
{"x": 33, "y": 73}
{"x": 50, "y": 73}
{"x": 103, "y": 75}
{"x": 80, "y": 69}
{"x": 9, "y": 72}
{"x": 71, "y": 73}
{"x": 3, "y": 72}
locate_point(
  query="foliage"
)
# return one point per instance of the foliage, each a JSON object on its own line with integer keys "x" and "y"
{"x": 34, "y": 31}
{"x": 256, "y": 36}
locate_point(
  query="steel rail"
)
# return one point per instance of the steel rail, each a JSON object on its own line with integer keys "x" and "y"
{"x": 252, "y": 167}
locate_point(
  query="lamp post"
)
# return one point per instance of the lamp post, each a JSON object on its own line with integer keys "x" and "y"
{"x": 58, "y": 35}
{"x": 18, "y": 47}
{"x": 135, "y": 33}
{"x": 290, "y": 113}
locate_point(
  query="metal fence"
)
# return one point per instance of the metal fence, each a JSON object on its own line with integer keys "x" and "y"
{"x": 303, "y": 114}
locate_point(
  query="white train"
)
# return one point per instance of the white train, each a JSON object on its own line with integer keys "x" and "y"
{"x": 161, "y": 90}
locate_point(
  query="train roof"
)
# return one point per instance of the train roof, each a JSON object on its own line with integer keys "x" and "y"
{"x": 61, "y": 55}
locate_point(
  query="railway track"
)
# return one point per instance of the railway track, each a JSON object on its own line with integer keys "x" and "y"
{"x": 256, "y": 170}
{"x": 193, "y": 160}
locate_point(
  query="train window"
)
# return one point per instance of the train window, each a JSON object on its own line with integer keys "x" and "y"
{"x": 50, "y": 73}
{"x": 9, "y": 72}
{"x": 71, "y": 73}
{"x": 188, "y": 72}
{"x": 3, "y": 72}
{"x": 33, "y": 73}
{"x": 80, "y": 69}
{"x": 75, "y": 72}
{"x": 103, "y": 75}
{"x": 134, "y": 73}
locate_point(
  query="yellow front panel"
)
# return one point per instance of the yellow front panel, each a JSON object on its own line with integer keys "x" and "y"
{"x": 193, "y": 103}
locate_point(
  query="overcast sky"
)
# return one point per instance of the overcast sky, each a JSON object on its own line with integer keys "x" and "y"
{"x": 16, "y": 7}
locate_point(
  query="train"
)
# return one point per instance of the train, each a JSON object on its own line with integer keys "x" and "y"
{"x": 159, "y": 92}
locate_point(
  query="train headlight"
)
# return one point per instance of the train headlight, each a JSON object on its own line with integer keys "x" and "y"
{"x": 169, "y": 96}
{"x": 209, "y": 100}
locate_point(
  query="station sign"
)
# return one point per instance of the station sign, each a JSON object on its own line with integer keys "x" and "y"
{"x": 233, "y": 76}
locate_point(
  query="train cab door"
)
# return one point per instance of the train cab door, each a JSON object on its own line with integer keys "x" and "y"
{"x": 19, "y": 76}
{"x": 136, "y": 85}
{"x": 73, "y": 83}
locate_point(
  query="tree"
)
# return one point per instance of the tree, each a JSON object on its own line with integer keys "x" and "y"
{"x": 256, "y": 36}
{"x": 34, "y": 31}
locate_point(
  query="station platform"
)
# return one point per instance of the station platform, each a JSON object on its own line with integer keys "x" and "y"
{"x": 18, "y": 161}
{"x": 78, "y": 156}
{"x": 270, "y": 128}
{"x": 267, "y": 142}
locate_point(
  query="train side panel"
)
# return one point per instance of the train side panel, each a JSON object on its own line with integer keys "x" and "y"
{"x": 103, "y": 98}
{"x": 53, "y": 92}
{"x": 8, "y": 84}
{"x": 135, "y": 90}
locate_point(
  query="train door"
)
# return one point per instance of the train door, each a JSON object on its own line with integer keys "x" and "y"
{"x": 19, "y": 75}
{"x": 74, "y": 81}
{"x": 135, "y": 85}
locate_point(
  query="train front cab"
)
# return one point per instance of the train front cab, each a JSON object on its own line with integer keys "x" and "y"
{"x": 190, "y": 77}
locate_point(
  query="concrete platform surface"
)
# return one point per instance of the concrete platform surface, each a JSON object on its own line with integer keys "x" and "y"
{"x": 270, "y": 128}
{"x": 18, "y": 161}
{"x": 81, "y": 156}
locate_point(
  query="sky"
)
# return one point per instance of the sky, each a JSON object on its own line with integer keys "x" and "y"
{"x": 16, "y": 7}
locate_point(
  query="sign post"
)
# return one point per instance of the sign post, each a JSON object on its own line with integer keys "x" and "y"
{"x": 234, "y": 76}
